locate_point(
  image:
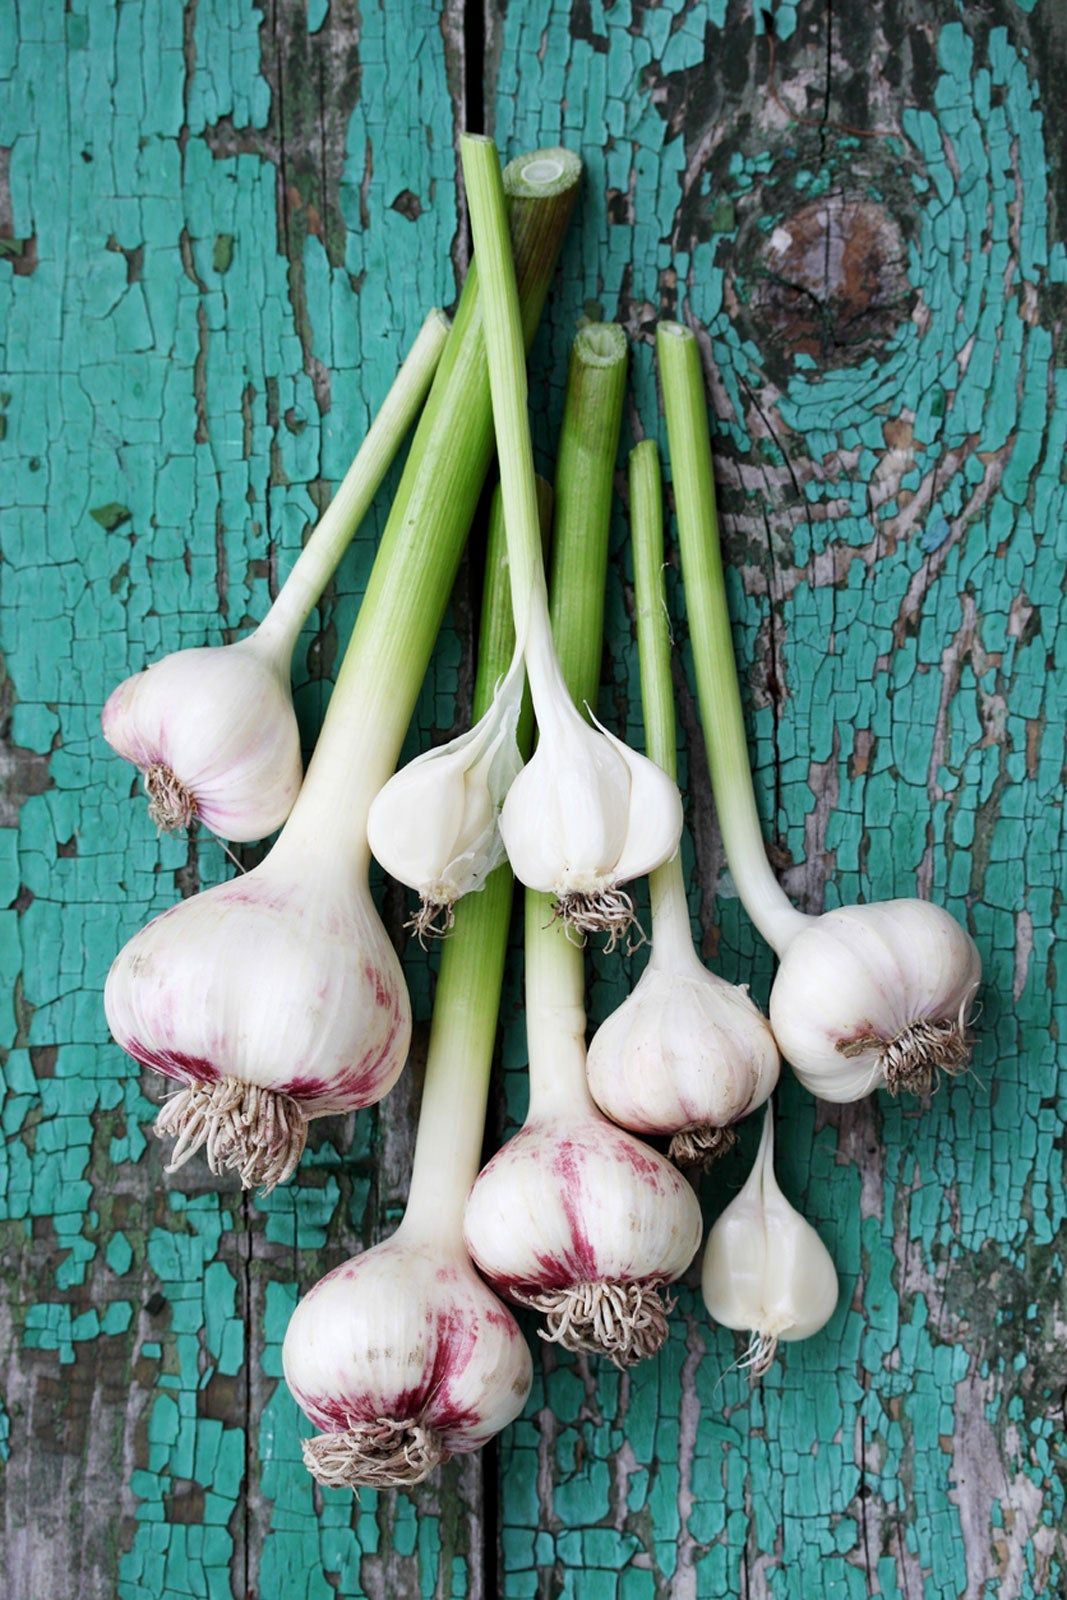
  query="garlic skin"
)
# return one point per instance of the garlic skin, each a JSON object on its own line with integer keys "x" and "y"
{"x": 766, "y": 1271}
{"x": 585, "y": 815}
{"x": 579, "y": 1220}
{"x": 684, "y": 1057}
{"x": 403, "y": 1358}
{"x": 875, "y": 996}
{"x": 214, "y": 733}
{"x": 434, "y": 826}
{"x": 273, "y": 999}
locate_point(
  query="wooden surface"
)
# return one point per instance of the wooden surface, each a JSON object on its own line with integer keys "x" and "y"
{"x": 220, "y": 226}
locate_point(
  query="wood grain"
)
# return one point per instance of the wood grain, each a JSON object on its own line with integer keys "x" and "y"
{"x": 220, "y": 224}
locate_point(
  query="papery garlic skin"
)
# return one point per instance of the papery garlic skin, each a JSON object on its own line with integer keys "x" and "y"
{"x": 874, "y": 996}
{"x": 574, "y": 1206}
{"x": 766, "y": 1271}
{"x": 283, "y": 980}
{"x": 434, "y": 826}
{"x": 403, "y": 1357}
{"x": 585, "y": 815}
{"x": 214, "y": 733}
{"x": 686, "y": 1054}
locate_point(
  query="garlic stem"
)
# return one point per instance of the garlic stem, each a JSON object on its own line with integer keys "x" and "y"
{"x": 692, "y": 473}
{"x": 332, "y": 535}
{"x": 672, "y": 943}
{"x": 555, "y": 1013}
{"x": 448, "y": 1145}
{"x": 386, "y": 660}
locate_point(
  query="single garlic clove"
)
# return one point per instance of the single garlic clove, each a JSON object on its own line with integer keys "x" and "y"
{"x": 766, "y": 1271}
{"x": 272, "y": 999}
{"x": 584, "y": 816}
{"x": 214, "y": 733}
{"x": 403, "y": 1358}
{"x": 875, "y": 996}
{"x": 434, "y": 824}
{"x": 585, "y": 1224}
{"x": 685, "y": 1056}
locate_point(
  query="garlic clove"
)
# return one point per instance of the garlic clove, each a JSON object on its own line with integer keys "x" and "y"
{"x": 584, "y": 816}
{"x": 765, "y": 1270}
{"x": 434, "y": 825}
{"x": 403, "y": 1358}
{"x": 654, "y": 814}
{"x": 684, "y": 1057}
{"x": 214, "y": 733}
{"x": 271, "y": 999}
{"x": 875, "y": 996}
{"x": 581, "y": 1221}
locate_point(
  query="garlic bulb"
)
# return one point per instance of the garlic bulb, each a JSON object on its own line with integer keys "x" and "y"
{"x": 586, "y": 814}
{"x": 876, "y": 996}
{"x": 866, "y": 996}
{"x": 686, "y": 1055}
{"x": 434, "y": 825}
{"x": 272, "y": 999}
{"x": 213, "y": 730}
{"x": 766, "y": 1271}
{"x": 403, "y": 1358}
{"x": 223, "y": 719}
{"x": 575, "y": 1217}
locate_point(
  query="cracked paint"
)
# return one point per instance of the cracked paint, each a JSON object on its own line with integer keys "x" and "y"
{"x": 220, "y": 225}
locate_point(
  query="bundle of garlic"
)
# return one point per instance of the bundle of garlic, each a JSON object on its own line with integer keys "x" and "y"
{"x": 402, "y": 1356}
{"x": 868, "y": 995}
{"x": 766, "y": 1271}
{"x": 278, "y": 997}
{"x": 213, "y": 730}
{"x": 573, "y": 1217}
{"x": 586, "y": 814}
{"x": 686, "y": 1055}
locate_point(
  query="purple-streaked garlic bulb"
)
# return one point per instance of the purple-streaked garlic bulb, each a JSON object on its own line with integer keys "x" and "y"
{"x": 402, "y": 1358}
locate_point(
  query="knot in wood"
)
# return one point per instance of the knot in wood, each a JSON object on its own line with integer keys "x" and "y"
{"x": 831, "y": 280}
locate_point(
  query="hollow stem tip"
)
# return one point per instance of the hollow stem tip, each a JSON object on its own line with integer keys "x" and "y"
{"x": 626, "y": 1322}
{"x": 258, "y": 1133}
{"x": 701, "y": 1147}
{"x": 170, "y": 804}
{"x": 383, "y": 1454}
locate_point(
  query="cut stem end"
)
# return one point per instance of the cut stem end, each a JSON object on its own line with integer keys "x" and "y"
{"x": 626, "y": 1322}
{"x": 701, "y": 1147}
{"x": 170, "y": 804}
{"x": 258, "y": 1133}
{"x": 609, "y": 911}
{"x": 384, "y": 1454}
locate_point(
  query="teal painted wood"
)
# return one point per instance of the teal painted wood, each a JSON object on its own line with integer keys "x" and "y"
{"x": 212, "y": 263}
{"x": 883, "y": 321}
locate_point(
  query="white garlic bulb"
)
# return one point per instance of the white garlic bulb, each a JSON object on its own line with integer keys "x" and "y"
{"x": 215, "y": 735}
{"x": 766, "y": 1271}
{"x": 213, "y": 730}
{"x": 586, "y": 815}
{"x": 272, "y": 999}
{"x": 403, "y": 1358}
{"x": 875, "y": 996}
{"x": 434, "y": 826}
{"x": 684, "y": 1057}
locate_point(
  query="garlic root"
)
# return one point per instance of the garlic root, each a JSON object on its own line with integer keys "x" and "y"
{"x": 609, "y": 911}
{"x": 170, "y": 804}
{"x": 914, "y": 1061}
{"x": 701, "y": 1147}
{"x": 626, "y": 1322}
{"x": 258, "y": 1133}
{"x": 384, "y": 1454}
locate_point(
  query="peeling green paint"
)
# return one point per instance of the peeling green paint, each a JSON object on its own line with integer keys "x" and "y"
{"x": 205, "y": 303}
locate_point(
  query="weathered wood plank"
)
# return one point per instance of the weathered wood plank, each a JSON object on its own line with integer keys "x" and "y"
{"x": 228, "y": 224}
{"x": 863, "y": 208}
